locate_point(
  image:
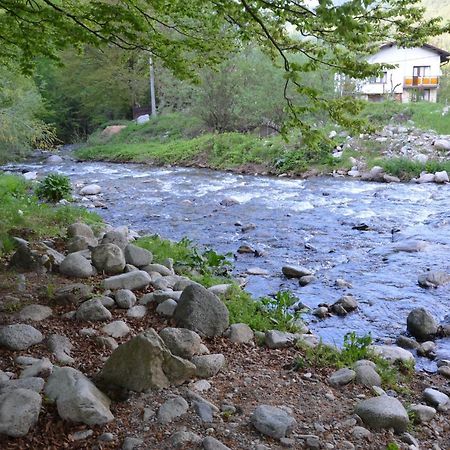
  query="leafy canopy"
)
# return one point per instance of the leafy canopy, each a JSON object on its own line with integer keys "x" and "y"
{"x": 186, "y": 35}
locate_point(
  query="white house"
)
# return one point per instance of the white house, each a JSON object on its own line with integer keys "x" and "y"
{"x": 415, "y": 77}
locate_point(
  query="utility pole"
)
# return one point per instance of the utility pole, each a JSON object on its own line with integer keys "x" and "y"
{"x": 152, "y": 88}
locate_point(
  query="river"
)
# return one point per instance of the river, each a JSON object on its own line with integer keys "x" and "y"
{"x": 313, "y": 223}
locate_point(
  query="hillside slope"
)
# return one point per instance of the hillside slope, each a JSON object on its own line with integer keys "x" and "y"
{"x": 439, "y": 8}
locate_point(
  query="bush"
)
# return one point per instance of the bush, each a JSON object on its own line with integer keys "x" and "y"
{"x": 22, "y": 215}
{"x": 54, "y": 187}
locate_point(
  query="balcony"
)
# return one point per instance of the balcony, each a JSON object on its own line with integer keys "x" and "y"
{"x": 413, "y": 82}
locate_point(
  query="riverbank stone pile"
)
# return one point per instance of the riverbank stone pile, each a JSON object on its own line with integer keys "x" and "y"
{"x": 170, "y": 358}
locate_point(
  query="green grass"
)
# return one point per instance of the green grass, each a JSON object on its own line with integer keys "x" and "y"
{"x": 425, "y": 115}
{"x": 22, "y": 213}
{"x": 393, "y": 376}
{"x": 406, "y": 169}
{"x": 163, "y": 128}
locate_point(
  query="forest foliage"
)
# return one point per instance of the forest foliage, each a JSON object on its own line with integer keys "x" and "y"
{"x": 233, "y": 65}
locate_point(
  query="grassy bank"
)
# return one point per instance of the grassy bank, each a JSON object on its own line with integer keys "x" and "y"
{"x": 22, "y": 214}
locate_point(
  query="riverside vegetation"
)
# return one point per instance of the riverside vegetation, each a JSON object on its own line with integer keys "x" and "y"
{"x": 181, "y": 140}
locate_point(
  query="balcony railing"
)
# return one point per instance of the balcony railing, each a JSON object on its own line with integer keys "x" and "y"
{"x": 411, "y": 82}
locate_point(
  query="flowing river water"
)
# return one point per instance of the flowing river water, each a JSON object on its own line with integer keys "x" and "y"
{"x": 301, "y": 222}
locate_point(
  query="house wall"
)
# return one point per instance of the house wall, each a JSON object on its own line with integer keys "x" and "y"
{"x": 405, "y": 59}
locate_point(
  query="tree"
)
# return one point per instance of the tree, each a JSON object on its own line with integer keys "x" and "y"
{"x": 185, "y": 35}
{"x": 20, "y": 108}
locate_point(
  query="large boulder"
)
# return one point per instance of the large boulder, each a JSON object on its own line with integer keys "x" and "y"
{"x": 35, "y": 312}
{"x": 201, "y": 311}
{"x": 137, "y": 279}
{"x": 421, "y": 324}
{"x": 77, "y": 398}
{"x": 273, "y": 421}
{"x": 19, "y": 411}
{"x": 108, "y": 258}
{"x": 137, "y": 256}
{"x": 76, "y": 265}
{"x": 383, "y": 412}
{"x": 145, "y": 362}
{"x": 19, "y": 336}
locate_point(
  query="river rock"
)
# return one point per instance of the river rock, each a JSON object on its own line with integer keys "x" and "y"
{"x": 132, "y": 280}
{"x": 208, "y": 365}
{"x": 344, "y": 305}
{"x": 433, "y": 279}
{"x": 35, "y": 384}
{"x": 72, "y": 294}
{"x": 162, "y": 296}
{"x": 393, "y": 353}
{"x": 436, "y": 398}
{"x": 108, "y": 258}
{"x": 342, "y": 377}
{"x": 116, "y": 329}
{"x": 80, "y": 229}
{"x": 367, "y": 375}
{"x": 296, "y": 271}
{"x": 61, "y": 347}
{"x": 422, "y": 413}
{"x": 229, "y": 201}
{"x": 410, "y": 246}
{"x": 183, "y": 439}
{"x": 92, "y": 310}
{"x": 406, "y": 342}
{"x": 421, "y": 324}
{"x": 172, "y": 409}
{"x": 115, "y": 237}
{"x": 19, "y": 336}
{"x": 35, "y": 312}
{"x": 240, "y": 333}
{"x": 307, "y": 279}
{"x": 427, "y": 349}
{"x": 425, "y": 178}
{"x": 166, "y": 308}
{"x": 441, "y": 177}
{"x": 91, "y": 189}
{"x": 137, "y": 256}
{"x": 125, "y": 298}
{"x": 279, "y": 339}
{"x": 158, "y": 268}
{"x": 34, "y": 367}
{"x": 76, "y": 265}
{"x": 442, "y": 144}
{"x": 106, "y": 301}
{"x": 210, "y": 443}
{"x": 77, "y": 398}
{"x": 383, "y": 412}
{"x": 54, "y": 159}
{"x": 181, "y": 342}
{"x": 201, "y": 311}
{"x": 220, "y": 289}
{"x": 19, "y": 411}
{"x": 137, "y": 312}
{"x": 80, "y": 243}
{"x": 145, "y": 362}
{"x": 272, "y": 421}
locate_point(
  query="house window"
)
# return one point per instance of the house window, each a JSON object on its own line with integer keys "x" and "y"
{"x": 381, "y": 79}
{"x": 421, "y": 71}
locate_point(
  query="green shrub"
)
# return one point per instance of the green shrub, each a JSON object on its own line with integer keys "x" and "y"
{"x": 54, "y": 187}
{"x": 187, "y": 257}
{"x": 21, "y": 212}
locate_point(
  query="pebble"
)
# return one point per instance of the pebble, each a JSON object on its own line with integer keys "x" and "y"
{"x": 80, "y": 435}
